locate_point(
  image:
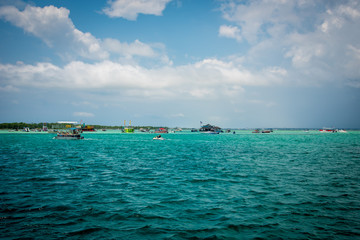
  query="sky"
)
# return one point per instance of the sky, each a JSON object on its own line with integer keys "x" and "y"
{"x": 234, "y": 64}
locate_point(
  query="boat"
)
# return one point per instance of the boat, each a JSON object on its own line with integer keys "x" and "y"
{"x": 87, "y": 128}
{"x": 328, "y": 130}
{"x": 158, "y": 138}
{"x": 44, "y": 128}
{"x": 210, "y": 129}
{"x": 262, "y": 131}
{"x": 161, "y": 130}
{"x": 70, "y": 134}
{"x": 129, "y": 130}
{"x": 144, "y": 130}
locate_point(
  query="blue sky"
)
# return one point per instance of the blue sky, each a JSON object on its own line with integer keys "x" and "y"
{"x": 239, "y": 64}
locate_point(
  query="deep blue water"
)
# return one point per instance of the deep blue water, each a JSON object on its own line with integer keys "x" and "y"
{"x": 189, "y": 186}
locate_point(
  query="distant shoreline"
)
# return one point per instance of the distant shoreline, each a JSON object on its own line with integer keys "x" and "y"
{"x": 21, "y": 125}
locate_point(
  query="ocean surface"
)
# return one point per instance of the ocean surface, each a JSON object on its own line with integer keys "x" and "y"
{"x": 282, "y": 185}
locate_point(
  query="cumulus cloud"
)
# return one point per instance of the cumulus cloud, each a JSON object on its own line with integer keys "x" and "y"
{"x": 53, "y": 26}
{"x": 209, "y": 78}
{"x": 130, "y": 9}
{"x": 56, "y": 29}
{"x": 312, "y": 38}
{"x": 256, "y": 17}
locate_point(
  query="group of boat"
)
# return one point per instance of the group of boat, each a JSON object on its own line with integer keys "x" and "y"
{"x": 74, "y": 132}
{"x": 330, "y": 130}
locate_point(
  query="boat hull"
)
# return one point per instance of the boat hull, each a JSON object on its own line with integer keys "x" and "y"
{"x": 209, "y": 132}
{"x": 156, "y": 138}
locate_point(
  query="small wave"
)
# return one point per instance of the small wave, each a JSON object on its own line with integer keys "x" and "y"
{"x": 85, "y": 231}
{"x": 148, "y": 217}
{"x": 42, "y": 179}
{"x": 200, "y": 180}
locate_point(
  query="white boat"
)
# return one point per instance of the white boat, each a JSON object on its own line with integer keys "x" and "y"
{"x": 158, "y": 138}
{"x": 210, "y": 132}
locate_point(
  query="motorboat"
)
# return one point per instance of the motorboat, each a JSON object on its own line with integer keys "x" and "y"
{"x": 328, "y": 130}
{"x": 158, "y": 138}
{"x": 210, "y": 129}
{"x": 161, "y": 130}
{"x": 85, "y": 128}
{"x": 129, "y": 130}
{"x": 71, "y": 134}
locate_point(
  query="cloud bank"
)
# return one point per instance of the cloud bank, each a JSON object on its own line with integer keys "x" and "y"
{"x": 209, "y": 78}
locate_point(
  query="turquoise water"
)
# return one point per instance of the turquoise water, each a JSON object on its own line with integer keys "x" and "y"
{"x": 283, "y": 185}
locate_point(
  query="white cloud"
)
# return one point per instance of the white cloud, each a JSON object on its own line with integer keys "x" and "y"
{"x": 55, "y": 28}
{"x": 210, "y": 78}
{"x": 136, "y": 48}
{"x": 252, "y": 17}
{"x": 129, "y": 9}
{"x": 83, "y": 114}
{"x": 230, "y": 32}
{"x": 316, "y": 41}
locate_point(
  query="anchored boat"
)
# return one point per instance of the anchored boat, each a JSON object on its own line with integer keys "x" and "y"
{"x": 210, "y": 129}
{"x": 161, "y": 130}
{"x": 71, "y": 134}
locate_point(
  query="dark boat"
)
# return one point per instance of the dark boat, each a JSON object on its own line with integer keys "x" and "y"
{"x": 210, "y": 129}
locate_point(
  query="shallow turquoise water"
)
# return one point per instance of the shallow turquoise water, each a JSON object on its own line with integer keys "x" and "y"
{"x": 288, "y": 185}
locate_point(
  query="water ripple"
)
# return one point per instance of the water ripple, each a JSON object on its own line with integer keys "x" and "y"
{"x": 191, "y": 186}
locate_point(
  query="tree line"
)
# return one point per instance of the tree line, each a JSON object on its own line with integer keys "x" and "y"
{"x": 22, "y": 125}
